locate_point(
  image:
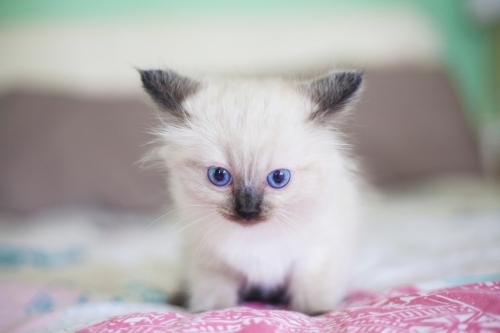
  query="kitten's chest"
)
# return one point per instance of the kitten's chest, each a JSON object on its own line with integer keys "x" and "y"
{"x": 263, "y": 261}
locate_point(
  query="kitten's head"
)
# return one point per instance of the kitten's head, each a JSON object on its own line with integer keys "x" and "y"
{"x": 251, "y": 150}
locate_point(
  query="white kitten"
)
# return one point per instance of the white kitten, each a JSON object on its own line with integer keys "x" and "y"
{"x": 258, "y": 173}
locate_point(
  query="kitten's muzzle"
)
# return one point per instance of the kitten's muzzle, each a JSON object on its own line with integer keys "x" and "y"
{"x": 247, "y": 203}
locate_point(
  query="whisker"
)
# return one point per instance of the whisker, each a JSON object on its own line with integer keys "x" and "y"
{"x": 283, "y": 229}
{"x": 295, "y": 215}
{"x": 214, "y": 227}
{"x": 173, "y": 210}
{"x": 183, "y": 228}
{"x": 202, "y": 228}
{"x": 292, "y": 224}
{"x": 184, "y": 219}
{"x": 291, "y": 220}
{"x": 172, "y": 228}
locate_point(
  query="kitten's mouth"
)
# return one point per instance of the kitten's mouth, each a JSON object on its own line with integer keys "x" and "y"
{"x": 245, "y": 221}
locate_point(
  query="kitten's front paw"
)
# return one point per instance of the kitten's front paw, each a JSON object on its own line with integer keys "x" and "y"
{"x": 314, "y": 309}
{"x": 213, "y": 301}
{"x": 315, "y": 299}
{"x": 212, "y": 293}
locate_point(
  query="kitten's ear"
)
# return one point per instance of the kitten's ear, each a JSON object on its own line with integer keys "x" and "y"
{"x": 168, "y": 89}
{"x": 332, "y": 93}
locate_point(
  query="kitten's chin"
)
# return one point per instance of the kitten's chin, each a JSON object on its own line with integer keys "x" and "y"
{"x": 233, "y": 218}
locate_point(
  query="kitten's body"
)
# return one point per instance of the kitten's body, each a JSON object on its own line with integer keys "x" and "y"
{"x": 300, "y": 237}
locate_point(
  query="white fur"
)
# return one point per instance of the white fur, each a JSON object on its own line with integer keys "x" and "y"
{"x": 250, "y": 128}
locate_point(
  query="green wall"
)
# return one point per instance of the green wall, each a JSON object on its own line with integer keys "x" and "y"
{"x": 469, "y": 48}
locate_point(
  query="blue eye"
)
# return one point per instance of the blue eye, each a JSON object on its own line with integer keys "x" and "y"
{"x": 219, "y": 176}
{"x": 278, "y": 178}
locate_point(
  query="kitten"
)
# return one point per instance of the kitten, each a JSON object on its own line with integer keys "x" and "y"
{"x": 258, "y": 173}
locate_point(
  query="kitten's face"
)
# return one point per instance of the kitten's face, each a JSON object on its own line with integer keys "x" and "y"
{"x": 248, "y": 149}
{"x": 251, "y": 150}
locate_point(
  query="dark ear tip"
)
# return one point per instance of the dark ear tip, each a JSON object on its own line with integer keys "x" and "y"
{"x": 353, "y": 80}
{"x": 148, "y": 75}
{"x": 167, "y": 89}
{"x": 145, "y": 74}
{"x": 359, "y": 76}
{"x": 354, "y": 77}
{"x": 334, "y": 92}
{"x": 357, "y": 79}
{"x": 141, "y": 71}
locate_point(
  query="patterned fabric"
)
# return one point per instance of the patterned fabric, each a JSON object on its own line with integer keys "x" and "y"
{"x": 469, "y": 308}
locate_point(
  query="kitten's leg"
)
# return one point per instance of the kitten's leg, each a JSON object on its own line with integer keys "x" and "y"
{"x": 212, "y": 289}
{"x": 318, "y": 285}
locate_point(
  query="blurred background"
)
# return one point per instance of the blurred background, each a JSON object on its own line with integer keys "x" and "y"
{"x": 74, "y": 122}
{"x": 74, "y": 118}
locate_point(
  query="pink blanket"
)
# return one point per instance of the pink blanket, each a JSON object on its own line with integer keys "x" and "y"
{"x": 467, "y": 308}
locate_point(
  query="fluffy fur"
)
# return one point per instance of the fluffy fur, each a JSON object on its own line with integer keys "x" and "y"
{"x": 300, "y": 245}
